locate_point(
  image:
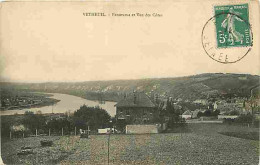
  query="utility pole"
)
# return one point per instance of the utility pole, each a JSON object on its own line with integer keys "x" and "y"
{"x": 108, "y": 149}
{"x": 88, "y": 131}
{"x": 108, "y": 144}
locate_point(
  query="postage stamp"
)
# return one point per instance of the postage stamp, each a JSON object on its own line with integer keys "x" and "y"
{"x": 231, "y": 27}
{"x": 227, "y": 36}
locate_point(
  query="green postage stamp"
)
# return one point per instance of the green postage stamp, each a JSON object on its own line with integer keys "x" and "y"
{"x": 232, "y": 26}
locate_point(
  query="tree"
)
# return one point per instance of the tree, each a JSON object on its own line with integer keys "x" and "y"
{"x": 174, "y": 115}
{"x": 200, "y": 114}
{"x": 56, "y": 125}
{"x": 216, "y": 112}
{"x": 34, "y": 121}
{"x": 207, "y": 113}
{"x": 95, "y": 117}
{"x": 234, "y": 112}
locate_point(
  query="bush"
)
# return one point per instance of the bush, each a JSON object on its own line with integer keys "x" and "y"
{"x": 245, "y": 119}
{"x": 228, "y": 121}
{"x": 34, "y": 121}
{"x": 45, "y": 143}
{"x": 234, "y": 112}
{"x": 84, "y": 135}
{"x": 209, "y": 113}
{"x": 40, "y": 131}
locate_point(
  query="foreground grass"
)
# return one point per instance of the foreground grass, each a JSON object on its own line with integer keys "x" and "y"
{"x": 243, "y": 135}
{"x": 203, "y": 145}
{"x": 63, "y": 146}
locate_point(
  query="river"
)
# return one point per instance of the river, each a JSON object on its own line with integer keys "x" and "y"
{"x": 67, "y": 103}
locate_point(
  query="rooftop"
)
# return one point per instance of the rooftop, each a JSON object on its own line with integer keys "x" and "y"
{"x": 136, "y": 100}
{"x": 188, "y": 112}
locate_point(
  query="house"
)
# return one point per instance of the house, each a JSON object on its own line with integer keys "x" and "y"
{"x": 201, "y": 101}
{"x": 135, "y": 109}
{"x": 142, "y": 129}
{"x": 252, "y": 105}
{"x": 106, "y": 130}
{"x": 219, "y": 104}
{"x": 227, "y": 116}
{"x": 187, "y": 114}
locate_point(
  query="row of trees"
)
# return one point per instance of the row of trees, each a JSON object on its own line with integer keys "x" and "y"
{"x": 94, "y": 117}
{"x": 248, "y": 119}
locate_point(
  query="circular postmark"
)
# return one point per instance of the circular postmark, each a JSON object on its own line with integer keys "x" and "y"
{"x": 227, "y": 37}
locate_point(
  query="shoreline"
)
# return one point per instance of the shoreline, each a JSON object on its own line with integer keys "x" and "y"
{"x": 46, "y": 101}
{"x": 61, "y": 103}
{"x": 78, "y": 94}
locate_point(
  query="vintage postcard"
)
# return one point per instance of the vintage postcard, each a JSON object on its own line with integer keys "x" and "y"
{"x": 130, "y": 82}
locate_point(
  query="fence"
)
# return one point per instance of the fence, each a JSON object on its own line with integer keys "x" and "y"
{"x": 41, "y": 132}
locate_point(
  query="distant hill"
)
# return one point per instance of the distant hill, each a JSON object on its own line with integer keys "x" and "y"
{"x": 189, "y": 87}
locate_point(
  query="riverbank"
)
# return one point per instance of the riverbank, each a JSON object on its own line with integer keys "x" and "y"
{"x": 21, "y": 100}
{"x": 67, "y": 104}
{"x": 93, "y": 96}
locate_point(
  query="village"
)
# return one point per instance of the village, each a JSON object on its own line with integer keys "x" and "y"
{"x": 142, "y": 121}
{"x": 31, "y": 100}
{"x": 138, "y": 108}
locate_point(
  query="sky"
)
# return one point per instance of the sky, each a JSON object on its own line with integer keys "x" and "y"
{"x": 54, "y": 41}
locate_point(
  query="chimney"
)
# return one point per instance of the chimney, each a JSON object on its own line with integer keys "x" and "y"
{"x": 156, "y": 98}
{"x": 152, "y": 95}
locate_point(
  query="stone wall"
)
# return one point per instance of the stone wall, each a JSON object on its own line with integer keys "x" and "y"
{"x": 141, "y": 129}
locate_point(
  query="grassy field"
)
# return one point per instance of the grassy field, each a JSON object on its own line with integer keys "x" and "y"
{"x": 203, "y": 145}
